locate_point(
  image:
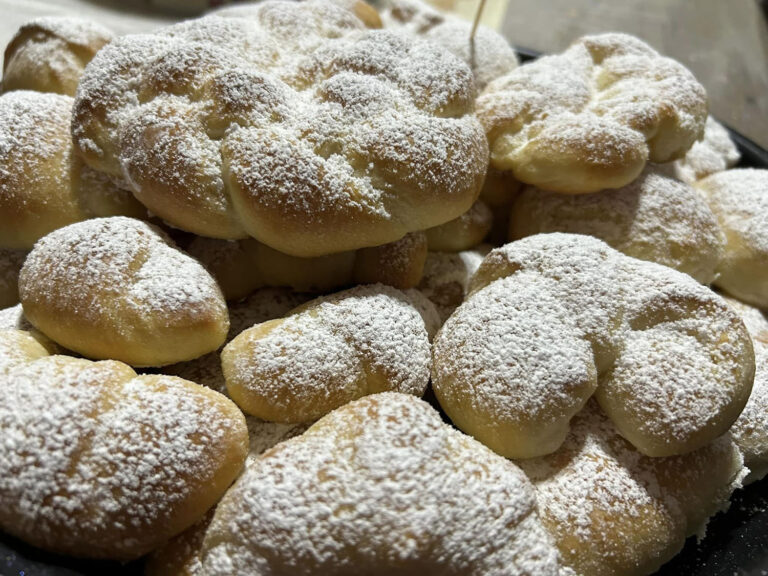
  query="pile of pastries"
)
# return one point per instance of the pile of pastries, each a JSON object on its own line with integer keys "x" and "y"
{"x": 303, "y": 288}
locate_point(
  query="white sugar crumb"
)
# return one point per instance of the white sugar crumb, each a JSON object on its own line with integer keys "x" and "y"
{"x": 89, "y": 436}
{"x": 324, "y": 350}
{"x": 244, "y": 102}
{"x": 77, "y": 31}
{"x": 379, "y": 484}
{"x": 445, "y": 280}
{"x": 488, "y": 54}
{"x": 609, "y": 95}
{"x": 655, "y": 218}
{"x": 121, "y": 266}
{"x": 713, "y": 153}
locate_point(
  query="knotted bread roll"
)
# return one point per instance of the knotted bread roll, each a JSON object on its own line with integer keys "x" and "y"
{"x": 99, "y": 462}
{"x": 293, "y": 124}
{"x": 379, "y": 486}
{"x": 591, "y": 117}
{"x": 117, "y": 288}
{"x": 556, "y": 318}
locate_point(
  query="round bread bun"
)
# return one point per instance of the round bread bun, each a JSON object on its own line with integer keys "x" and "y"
{"x": 655, "y": 218}
{"x": 614, "y": 512}
{"x": 10, "y": 266}
{"x": 328, "y": 352}
{"x": 293, "y": 124}
{"x": 446, "y": 277}
{"x": 553, "y": 319}
{"x": 242, "y": 266}
{"x": 43, "y": 185}
{"x": 117, "y": 288}
{"x": 739, "y": 200}
{"x": 49, "y": 54}
{"x": 750, "y": 431}
{"x": 715, "y": 152}
{"x": 379, "y": 486}
{"x": 487, "y": 53}
{"x": 99, "y": 462}
{"x": 462, "y": 233}
{"x": 591, "y": 117}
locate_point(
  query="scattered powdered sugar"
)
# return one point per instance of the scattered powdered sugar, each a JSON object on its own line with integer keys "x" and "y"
{"x": 674, "y": 362}
{"x": 607, "y": 102}
{"x": 364, "y": 125}
{"x": 73, "y": 30}
{"x": 445, "y": 280}
{"x": 379, "y": 485}
{"x": 654, "y": 218}
{"x": 488, "y": 53}
{"x": 97, "y": 459}
{"x": 714, "y": 153}
{"x": 607, "y": 505}
{"x": 328, "y": 352}
{"x": 750, "y": 431}
{"x": 13, "y": 319}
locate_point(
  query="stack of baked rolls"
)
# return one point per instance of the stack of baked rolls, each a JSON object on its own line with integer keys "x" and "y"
{"x": 236, "y": 252}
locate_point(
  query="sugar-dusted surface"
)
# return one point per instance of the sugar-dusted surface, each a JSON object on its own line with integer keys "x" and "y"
{"x": 208, "y": 120}
{"x": 714, "y": 153}
{"x": 328, "y": 352}
{"x": 589, "y": 118}
{"x": 138, "y": 298}
{"x": 674, "y": 364}
{"x": 655, "y": 218}
{"x": 380, "y": 485}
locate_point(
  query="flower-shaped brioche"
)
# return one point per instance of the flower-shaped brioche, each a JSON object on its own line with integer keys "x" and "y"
{"x": 292, "y": 124}
{"x": 555, "y": 318}
{"x": 49, "y": 54}
{"x": 328, "y": 352}
{"x": 750, "y": 431}
{"x": 99, "y": 462}
{"x": 43, "y": 184}
{"x": 590, "y": 118}
{"x": 739, "y": 200}
{"x": 242, "y": 266}
{"x": 488, "y": 53}
{"x": 615, "y": 512}
{"x": 379, "y": 486}
{"x": 655, "y": 218}
{"x": 117, "y": 288}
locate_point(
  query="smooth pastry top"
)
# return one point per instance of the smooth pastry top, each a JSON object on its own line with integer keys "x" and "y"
{"x": 378, "y": 486}
{"x": 590, "y": 118}
{"x": 294, "y": 124}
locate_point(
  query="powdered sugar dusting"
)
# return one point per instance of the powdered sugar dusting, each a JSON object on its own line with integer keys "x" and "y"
{"x": 714, "y": 153}
{"x": 328, "y": 352}
{"x": 212, "y": 117}
{"x": 655, "y": 218}
{"x": 380, "y": 484}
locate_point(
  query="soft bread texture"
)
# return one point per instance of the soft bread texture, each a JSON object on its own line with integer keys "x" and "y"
{"x": 464, "y": 232}
{"x": 182, "y": 555}
{"x": 242, "y": 266}
{"x": 750, "y": 431}
{"x": 10, "y": 266}
{"x": 615, "y": 512}
{"x": 591, "y": 117}
{"x": 739, "y": 200}
{"x": 488, "y": 54}
{"x": 293, "y": 124}
{"x": 556, "y": 318}
{"x": 655, "y": 218}
{"x": 446, "y": 278}
{"x": 99, "y": 462}
{"x": 117, "y": 288}
{"x": 379, "y": 486}
{"x": 43, "y": 185}
{"x": 328, "y": 352}
{"x": 49, "y": 54}
{"x": 715, "y": 152}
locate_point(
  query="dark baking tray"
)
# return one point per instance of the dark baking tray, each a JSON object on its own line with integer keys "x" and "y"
{"x": 736, "y": 543}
